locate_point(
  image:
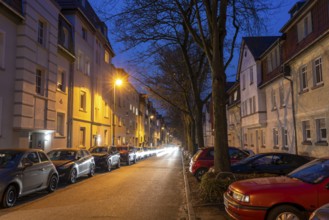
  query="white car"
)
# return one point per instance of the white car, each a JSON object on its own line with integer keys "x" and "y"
{"x": 321, "y": 213}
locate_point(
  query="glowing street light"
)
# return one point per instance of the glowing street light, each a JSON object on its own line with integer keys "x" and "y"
{"x": 117, "y": 82}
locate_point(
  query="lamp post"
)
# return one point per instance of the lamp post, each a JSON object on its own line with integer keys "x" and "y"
{"x": 117, "y": 82}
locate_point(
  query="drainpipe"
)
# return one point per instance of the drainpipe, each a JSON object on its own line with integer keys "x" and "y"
{"x": 70, "y": 106}
{"x": 293, "y": 109}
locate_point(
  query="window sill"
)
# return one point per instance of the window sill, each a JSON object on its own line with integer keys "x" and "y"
{"x": 276, "y": 147}
{"x": 321, "y": 143}
{"x": 307, "y": 143}
{"x": 274, "y": 109}
{"x": 285, "y": 148}
{"x": 263, "y": 146}
{"x": 82, "y": 110}
{"x": 321, "y": 84}
{"x": 282, "y": 106}
{"x": 61, "y": 91}
{"x": 303, "y": 91}
{"x": 59, "y": 137}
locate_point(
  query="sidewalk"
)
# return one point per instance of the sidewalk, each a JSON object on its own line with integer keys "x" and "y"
{"x": 196, "y": 208}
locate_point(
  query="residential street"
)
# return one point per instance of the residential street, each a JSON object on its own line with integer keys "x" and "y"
{"x": 151, "y": 189}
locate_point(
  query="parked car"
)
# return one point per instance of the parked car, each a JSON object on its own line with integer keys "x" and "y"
{"x": 106, "y": 157}
{"x": 274, "y": 163}
{"x": 295, "y": 195}
{"x": 204, "y": 159}
{"x": 321, "y": 213}
{"x": 127, "y": 154}
{"x": 72, "y": 163}
{"x": 25, "y": 171}
{"x": 140, "y": 153}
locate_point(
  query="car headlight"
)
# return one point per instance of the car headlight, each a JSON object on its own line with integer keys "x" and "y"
{"x": 240, "y": 197}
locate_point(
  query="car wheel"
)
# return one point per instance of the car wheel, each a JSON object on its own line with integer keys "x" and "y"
{"x": 9, "y": 196}
{"x": 92, "y": 170}
{"x": 199, "y": 173}
{"x": 53, "y": 181}
{"x": 118, "y": 164}
{"x": 73, "y": 176}
{"x": 285, "y": 212}
{"x": 109, "y": 166}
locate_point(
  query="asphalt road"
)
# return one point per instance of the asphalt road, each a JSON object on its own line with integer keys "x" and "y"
{"x": 151, "y": 189}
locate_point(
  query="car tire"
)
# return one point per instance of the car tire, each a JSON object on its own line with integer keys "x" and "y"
{"x": 73, "y": 176}
{"x": 118, "y": 164}
{"x": 52, "y": 185}
{"x": 199, "y": 173}
{"x": 9, "y": 197}
{"x": 285, "y": 212}
{"x": 92, "y": 170}
{"x": 108, "y": 168}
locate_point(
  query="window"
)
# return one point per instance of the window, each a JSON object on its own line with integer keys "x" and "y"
{"x": 321, "y": 130}
{"x": 251, "y": 75}
{"x": 82, "y": 137}
{"x": 284, "y": 137}
{"x": 275, "y": 137}
{"x": 235, "y": 95}
{"x": 33, "y": 157}
{"x": 39, "y": 81}
{"x": 304, "y": 27}
{"x": 317, "y": 71}
{"x": 41, "y": 32}
{"x": 60, "y": 124}
{"x": 83, "y": 99}
{"x": 61, "y": 81}
{"x": 106, "y": 138}
{"x": 273, "y": 99}
{"x": 306, "y": 130}
{"x": 2, "y": 49}
{"x": 254, "y": 103}
{"x": 251, "y": 140}
{"x": 106, "y": 110}
{"x": 80, "y": 61}
{"x": 303, "y": 78}
{"x": 84, "y": 33}
{"x": 245, "y": 139}
{"x": 107, "y": 57}
{"x": 281, "y": 91}
{"x": 66, "y": 37}
{"x": 87, "y": 66}
{"x": 250, "y": 106}
{"x": 273, "y": 59}
{"x": 243, "y": 82}
{"x": 43, "y": 157}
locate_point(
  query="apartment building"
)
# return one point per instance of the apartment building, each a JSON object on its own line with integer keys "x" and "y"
{"x": 306, "y": 59}
{"x": 57, "y": 81}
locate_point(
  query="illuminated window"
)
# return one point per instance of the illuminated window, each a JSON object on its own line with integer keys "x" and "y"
{"x": 83, "y": 100}
{"x": 275, "y": 137}
{"x": 61, "y": 81}
{"x": 303, "y": 78}
{"x": 317, "y": 71}
{"x": 306, "y": 130}
{"x": 107, "y": 57}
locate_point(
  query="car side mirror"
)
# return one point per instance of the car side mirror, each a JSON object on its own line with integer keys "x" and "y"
{"x": 26, "y": 163}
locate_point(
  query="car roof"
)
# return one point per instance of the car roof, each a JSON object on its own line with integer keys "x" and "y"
{"x": 21, "y": 149}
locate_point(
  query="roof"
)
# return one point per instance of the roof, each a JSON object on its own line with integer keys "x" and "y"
{"x": 257, "y": 45}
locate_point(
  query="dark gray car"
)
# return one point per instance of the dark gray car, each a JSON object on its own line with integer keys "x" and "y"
{"x": 25, "y": 171}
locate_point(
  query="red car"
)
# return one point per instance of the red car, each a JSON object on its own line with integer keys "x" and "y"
{"x": 204, "y": 159}
{"x": 293, "y": 196}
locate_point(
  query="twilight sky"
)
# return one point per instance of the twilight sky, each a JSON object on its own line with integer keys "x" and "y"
{"x": 278, "y": 18}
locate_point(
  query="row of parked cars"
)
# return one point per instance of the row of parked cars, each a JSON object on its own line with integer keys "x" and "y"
{"x": 25, "y": 171}
{"x": 300, "y": 187}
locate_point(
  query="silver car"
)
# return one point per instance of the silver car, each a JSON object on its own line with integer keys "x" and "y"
{"x": 25, "y": 171}
{"x": 72, "y": 163}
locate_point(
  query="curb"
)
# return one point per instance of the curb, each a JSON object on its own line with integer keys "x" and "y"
{"x": 190, "y": 211}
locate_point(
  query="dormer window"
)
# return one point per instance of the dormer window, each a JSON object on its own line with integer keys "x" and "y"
{"x": 304, "y": 27}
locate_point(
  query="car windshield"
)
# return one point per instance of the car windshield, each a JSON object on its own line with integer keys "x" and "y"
{"x": 62, "y": 155}
{"x": 247, "y": 159}
{"x": 9, "y": 159}
{"x": 312, "y": 172}
{"x": 99, "y": 150}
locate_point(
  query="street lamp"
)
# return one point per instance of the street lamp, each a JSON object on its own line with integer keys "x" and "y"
{"x": 117, "y": 82}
